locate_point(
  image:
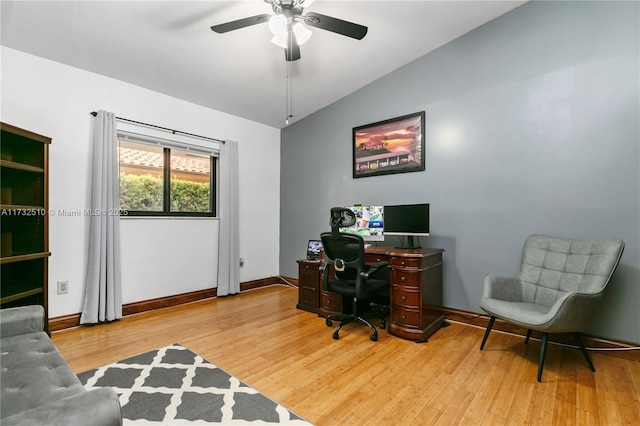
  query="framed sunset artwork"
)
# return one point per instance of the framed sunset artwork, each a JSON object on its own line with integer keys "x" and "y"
{"x": 390, "y": 146}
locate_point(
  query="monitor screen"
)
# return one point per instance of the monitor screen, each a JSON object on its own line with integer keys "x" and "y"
{"x": 314, "y": 248}
{"x": 369, "y": 222}
{"x": 407, "y": 219}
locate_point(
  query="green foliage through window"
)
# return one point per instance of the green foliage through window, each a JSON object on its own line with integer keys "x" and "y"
{"x": 144, "y": 193}
{"x": 161, "y": 181}
{"x": 188, "y": 196}
{"x": 140, "y": 193}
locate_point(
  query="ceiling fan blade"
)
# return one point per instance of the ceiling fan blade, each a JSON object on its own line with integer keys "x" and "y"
{"x": 240, "y": 23}
{"x": 336, "y": 25}
{"x": 292, "y": 53}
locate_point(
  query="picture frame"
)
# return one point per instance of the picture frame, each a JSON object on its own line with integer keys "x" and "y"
{"x": 391, "y": 146}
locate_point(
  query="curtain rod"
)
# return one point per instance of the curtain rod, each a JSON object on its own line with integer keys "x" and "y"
{"x": 94, "y": 113}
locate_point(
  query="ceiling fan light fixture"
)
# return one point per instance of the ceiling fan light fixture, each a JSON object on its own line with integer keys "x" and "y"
{"x": 278, "y": 25}
{"x": 290, "y": 27}
{"x": 303, "y": 34}
{"x": 280, "y": 40}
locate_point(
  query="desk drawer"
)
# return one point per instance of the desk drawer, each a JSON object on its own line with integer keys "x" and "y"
{"x": 406, "y": 318}
{"x": 405, "y": 278}
{"x": 309, "y": 266}
{"x": 371, "y": 258}
{"x": 331, "y": 302}
{"x": 406, "y": 297}
{"x": 405, "y": 262}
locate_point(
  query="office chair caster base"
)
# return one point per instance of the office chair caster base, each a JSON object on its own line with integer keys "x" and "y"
{"x": 328, "y": 322}
{"x": 335, "y": 335}
{"x": 374, "y": 337}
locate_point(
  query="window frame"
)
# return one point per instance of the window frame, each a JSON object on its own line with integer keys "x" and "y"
{"x": 166, "y": 173}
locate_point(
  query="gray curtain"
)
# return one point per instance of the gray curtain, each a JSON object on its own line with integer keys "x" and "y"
{"x": 228, "y": 211}
{"x": 102, "y": 292}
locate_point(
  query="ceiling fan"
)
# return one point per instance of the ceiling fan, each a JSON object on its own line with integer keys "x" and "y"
{"x": 288, "y": 27}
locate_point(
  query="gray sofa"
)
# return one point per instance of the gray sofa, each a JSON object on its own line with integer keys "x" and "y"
{"x": 37, "y": 385}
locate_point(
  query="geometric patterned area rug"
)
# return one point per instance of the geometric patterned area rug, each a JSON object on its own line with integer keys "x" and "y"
{"x": 174, "y": 386}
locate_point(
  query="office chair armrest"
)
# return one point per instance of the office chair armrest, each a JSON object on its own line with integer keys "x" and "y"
{"x": 325, "y": 275}
{"x": 374, "y": 268}
{"x": 324, "y": 265}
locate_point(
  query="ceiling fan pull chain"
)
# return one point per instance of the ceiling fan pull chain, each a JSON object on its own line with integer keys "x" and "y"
{"x": 289, "y": 81}
{"x": 290, "y": 92}
{"x": 286, "y": 117}
{"x": 289, "y": 112}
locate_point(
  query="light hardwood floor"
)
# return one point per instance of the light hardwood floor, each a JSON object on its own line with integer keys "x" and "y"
{"x": 288, "y": 354}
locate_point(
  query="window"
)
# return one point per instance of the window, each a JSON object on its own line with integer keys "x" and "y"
{"x": 161, "y": 180}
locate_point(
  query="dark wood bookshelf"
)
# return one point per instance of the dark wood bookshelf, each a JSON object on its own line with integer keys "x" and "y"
{"x": 24, "y": 220}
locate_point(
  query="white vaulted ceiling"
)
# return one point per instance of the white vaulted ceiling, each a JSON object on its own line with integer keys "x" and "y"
{"x": 168, "y": 47}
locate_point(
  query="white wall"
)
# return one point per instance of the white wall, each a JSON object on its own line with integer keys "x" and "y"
{"x": 161, "y": 257}
{"x": 182, "y": 254}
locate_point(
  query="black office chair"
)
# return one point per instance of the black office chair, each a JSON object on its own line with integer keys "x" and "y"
{"x": 353, "y": 280}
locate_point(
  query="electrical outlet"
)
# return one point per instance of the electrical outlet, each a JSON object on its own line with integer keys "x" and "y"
{"x": 63, "y": 287}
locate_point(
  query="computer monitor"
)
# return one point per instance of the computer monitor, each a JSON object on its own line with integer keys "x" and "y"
{"x": 411, "y": 220}
{"x": 369, "y": 222}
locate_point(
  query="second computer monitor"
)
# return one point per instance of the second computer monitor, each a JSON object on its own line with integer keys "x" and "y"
{"x": 411, "y": 220}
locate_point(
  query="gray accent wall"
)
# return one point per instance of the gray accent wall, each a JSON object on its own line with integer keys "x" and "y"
{"x": 532, "y": 126}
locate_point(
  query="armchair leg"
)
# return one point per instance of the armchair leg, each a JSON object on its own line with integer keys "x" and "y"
{"x": 584, "y": 351}
{"x": 486, "y": 333}
{"x": 543, "y": 353}
{"x": 526, "y": 340}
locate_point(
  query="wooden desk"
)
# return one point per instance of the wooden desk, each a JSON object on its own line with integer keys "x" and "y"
{"x": 416, "y": 290}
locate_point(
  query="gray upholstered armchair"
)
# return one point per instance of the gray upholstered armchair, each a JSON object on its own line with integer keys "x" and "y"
{"x": 560, "y": 284}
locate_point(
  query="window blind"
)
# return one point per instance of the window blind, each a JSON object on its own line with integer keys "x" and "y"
{"x": 176, "y": 141}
